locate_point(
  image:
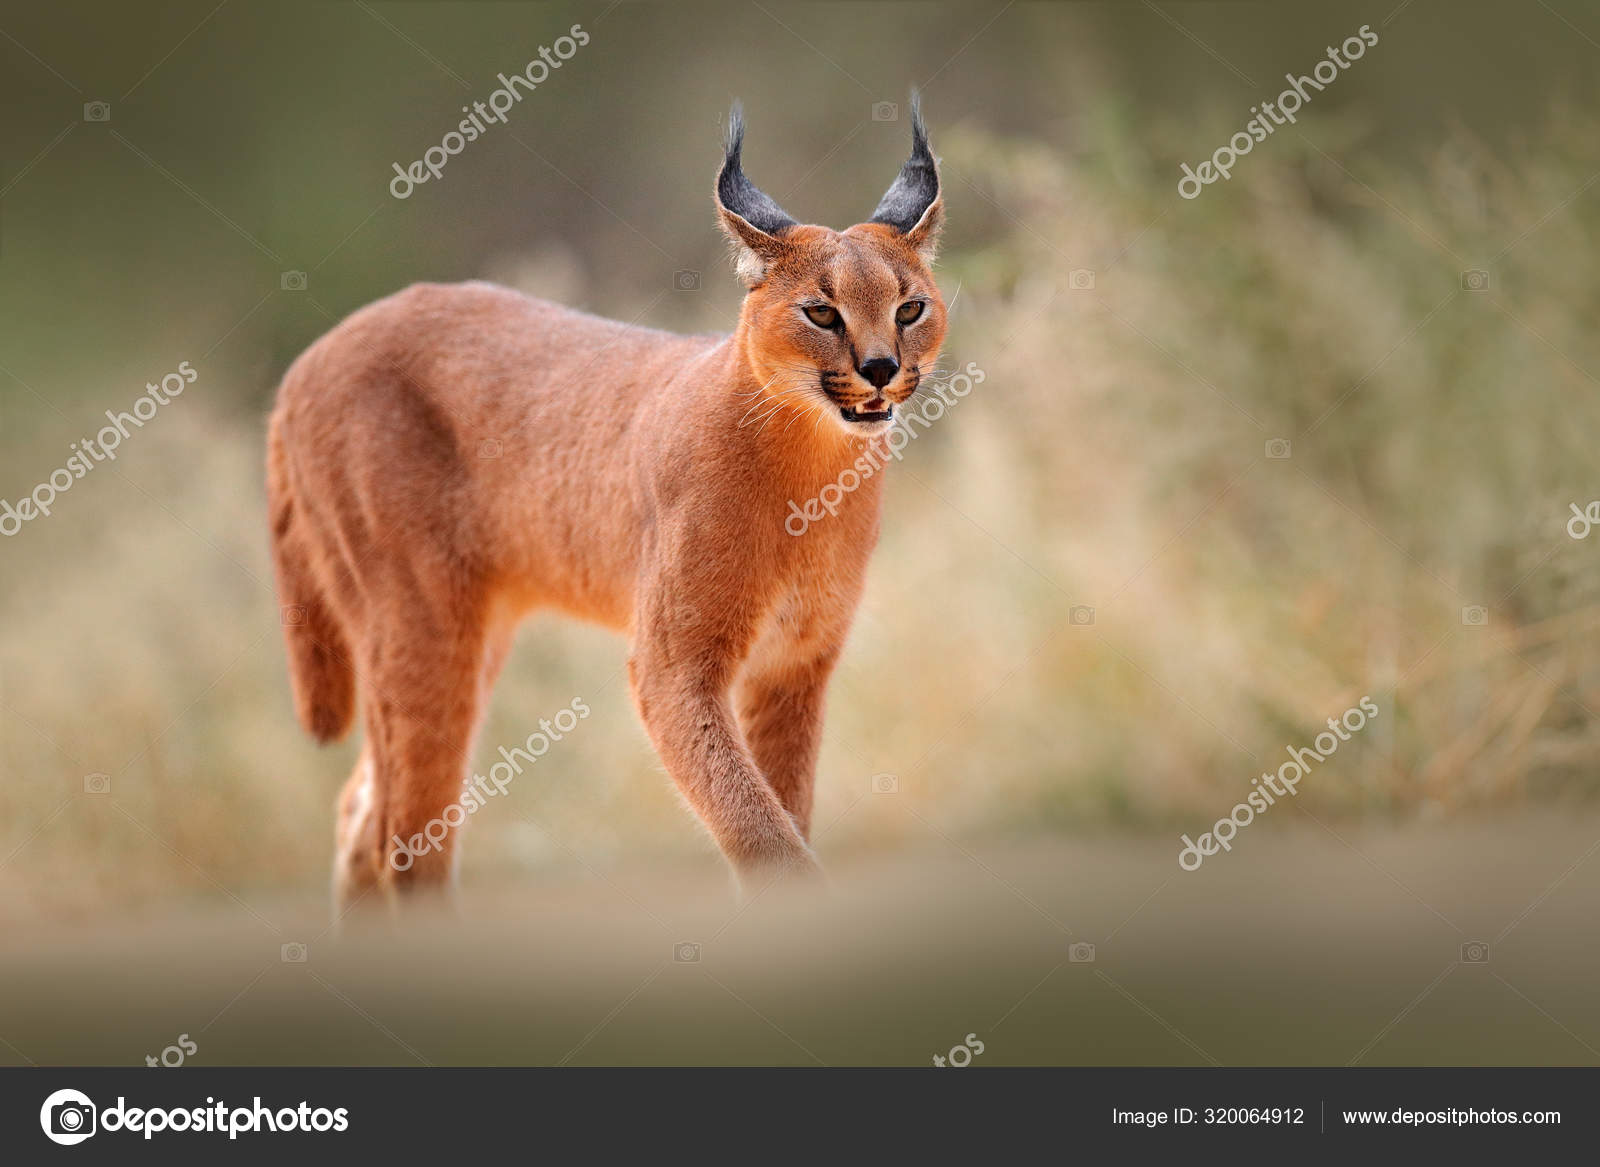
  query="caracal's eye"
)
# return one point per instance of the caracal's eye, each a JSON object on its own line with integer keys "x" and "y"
{"x": 908, "y": 312}
{"x": 822, "y": 315}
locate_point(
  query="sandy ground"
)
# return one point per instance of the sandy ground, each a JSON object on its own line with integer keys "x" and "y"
{"x": 1306, "y": 945}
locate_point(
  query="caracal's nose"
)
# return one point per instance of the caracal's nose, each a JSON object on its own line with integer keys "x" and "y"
{"x": 879, "y": 371}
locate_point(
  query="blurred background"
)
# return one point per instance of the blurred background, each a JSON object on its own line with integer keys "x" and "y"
{"x": 1236, "y": 462}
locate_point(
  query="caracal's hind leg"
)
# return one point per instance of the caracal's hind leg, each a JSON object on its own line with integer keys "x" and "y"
{"x": 424, "y": 694}
{"x": 361, "y": 854}
{"x": 356, "y": 855}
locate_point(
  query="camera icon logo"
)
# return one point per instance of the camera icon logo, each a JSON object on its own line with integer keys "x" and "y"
{"x": 685, "y": 952}
{"x": 885, "y": 111}
{"x": 1279, "y": 448}
{"x": 97, "y": 111}
{"x": 1474, "y": 952}
{"x": 1474, "y": 615}
{"x": 97, "y": 783}
{"x": 293, "y": 953}
{"x": 1080, "y": 615}
{"x": 292, "y": 615}
{"x": 490, "y": 448}
{"x": 292, "y": 281}
{"x": 1081, "y": 279}
{"x": 885, "y": 784}
{"x": 68, "y": 1117}
{"x": 686, "y": 281}
{"x": 1081, "y": 953}
{"x": 1474, "y": 281}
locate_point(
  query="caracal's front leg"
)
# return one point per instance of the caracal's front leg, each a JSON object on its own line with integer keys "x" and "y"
{"x": 680, "y": 670}
{"x": 780, "y": 710}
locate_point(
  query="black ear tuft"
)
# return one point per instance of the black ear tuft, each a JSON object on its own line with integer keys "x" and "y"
{"x": 916, "y": 188}
{"x": 737, "y": 193}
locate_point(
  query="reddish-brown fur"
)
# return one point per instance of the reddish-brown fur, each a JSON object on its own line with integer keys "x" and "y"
{"x": 448, "y": 459}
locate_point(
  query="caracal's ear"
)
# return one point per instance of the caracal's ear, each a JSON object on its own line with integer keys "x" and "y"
{"x": 752, "y": 221}
{"x": 912, "y": 205}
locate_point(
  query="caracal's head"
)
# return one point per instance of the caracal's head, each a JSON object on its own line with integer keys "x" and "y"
{"x": 840, "y": 323}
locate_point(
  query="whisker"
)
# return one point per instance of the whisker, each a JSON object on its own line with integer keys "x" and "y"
{"x": 777, "y": 404}
{"x": 812, "y": 407}
{"x": 782, "y": 405}
{"x": 758, "y": 401}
